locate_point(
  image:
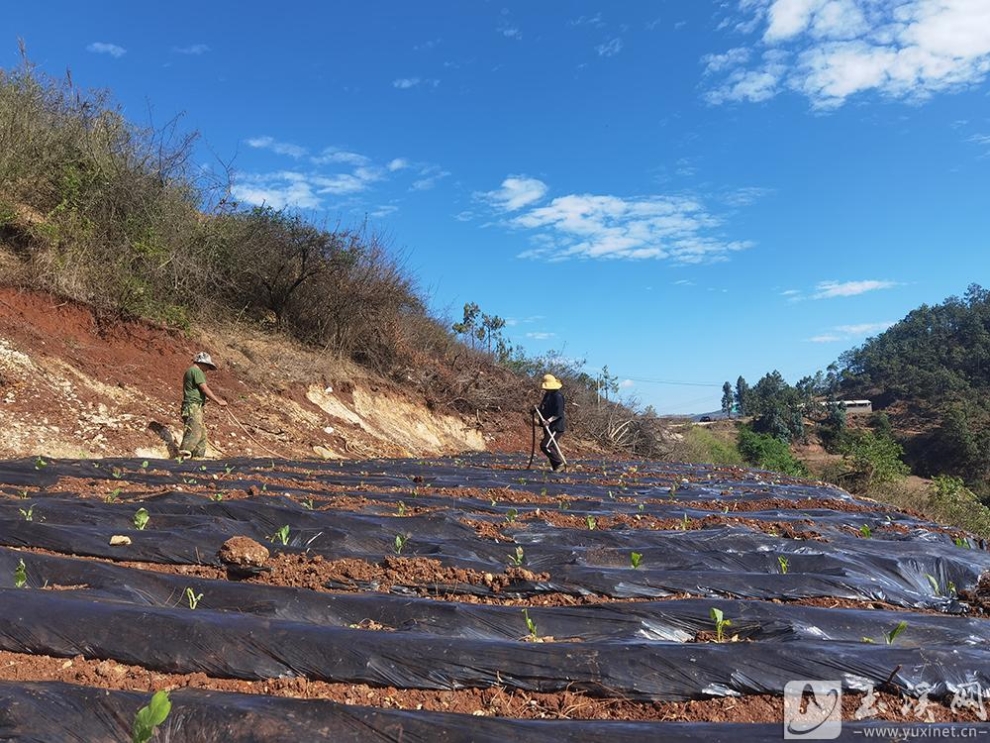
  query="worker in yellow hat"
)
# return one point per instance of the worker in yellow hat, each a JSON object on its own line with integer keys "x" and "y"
{"x": 550, "y": 415}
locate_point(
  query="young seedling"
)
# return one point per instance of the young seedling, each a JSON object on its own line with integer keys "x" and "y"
{"x": 591, "y": 521}
{"x": 783, "y": 562}
{"x": 20, "y": 575}
{"x": 511, "y": 514}
{"x": 217, "y": 497}
{"x": 530, "y": 624}
{"x": 889, "y": 637}
{"x": 685, "y": 523}
{"x": 281, "y": 535}
{"x": 308, "y": 504}
{"x": 866, "y": 531}
{"x": 720, "y": 623}
{"x": 150, "y": 717}
{"x": 141, "y": 518}
{"x": 28, "y": 513}
{"x": 642, "y": 506}
{"x": 192, "y": 598}
{"x": 934, "y": 584}
{"x": 402, "y": 508}
{"x": 112, "y": 496}
{"x": 144, "y": 464}
{"x": 960, "y": 542}
{"x": 635, "y": 558}
{"x": 400, "y": 542}
{"x": 40, "y": 462}
{"x": 519, "y": 557}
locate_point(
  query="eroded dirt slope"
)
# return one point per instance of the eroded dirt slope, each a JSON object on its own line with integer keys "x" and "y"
{"x": 70, "y": 387}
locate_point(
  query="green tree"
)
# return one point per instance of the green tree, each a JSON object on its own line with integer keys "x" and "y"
{"x": 742, "y": 396}
{"x": 727, "y": 399}
{"x": 875, "y": 458}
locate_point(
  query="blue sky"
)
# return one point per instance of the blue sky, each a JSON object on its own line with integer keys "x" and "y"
{"x": 685, "y": 192}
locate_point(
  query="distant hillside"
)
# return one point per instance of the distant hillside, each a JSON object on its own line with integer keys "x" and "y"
{"x": 931, "y": 373}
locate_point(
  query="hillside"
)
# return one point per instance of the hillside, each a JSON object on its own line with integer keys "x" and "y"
{"x": 71, "y": 388}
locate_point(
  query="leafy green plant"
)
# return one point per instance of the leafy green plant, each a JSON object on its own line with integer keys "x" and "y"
{"x": 112, "y": 496}
{"x": 150, "y": 717}
{"x": 530, "y": 624}
{"x": 20, "y": 574}
{"x": 308, "y": 504}
{"x": 27, "y": 514}
{"x": 889, "y": 637}
{"x": 866, "y": 531}
{"x": 402, "y": 509}
{"x": 400, "y": 542}
{"x": 193, "y": 598}
{"x": 141, "y": 518}
{"x": 217, "y": 497}
{"x": 961, "y": 542}
{"x": 519, "y": 557}
{"x": 591, "y": 521}
{"x": 511, "y": 514}
{"x": 685, "y": 523}
{"x": 720, "y": 623}
{"x": 281, "y": 535}
{"x": 784, "y": 563}
{"x": 635, "y": 558}
{"x": 40, "y": 462}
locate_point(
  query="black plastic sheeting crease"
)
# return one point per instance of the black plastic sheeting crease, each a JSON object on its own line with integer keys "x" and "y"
{"x": 642, "y": 650}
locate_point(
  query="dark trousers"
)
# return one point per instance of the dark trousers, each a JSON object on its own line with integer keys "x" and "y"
{"x": 548, "y": 448}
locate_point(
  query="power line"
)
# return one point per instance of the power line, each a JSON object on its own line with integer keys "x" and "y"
{"x": 665, "y": 381}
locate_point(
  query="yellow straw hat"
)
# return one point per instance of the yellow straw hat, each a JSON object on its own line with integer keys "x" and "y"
{"x": 550, "y": 382}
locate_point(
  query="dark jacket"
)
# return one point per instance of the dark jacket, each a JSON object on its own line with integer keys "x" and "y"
{"x": 552, "y": 405}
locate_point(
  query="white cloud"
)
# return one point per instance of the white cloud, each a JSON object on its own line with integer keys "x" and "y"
{"x": 673, "y": 228}
{"x": 404, "y": 83}
{"x": 278, "y": 190}
{"x": 99, "y": 47}
{"x": 333, "y": 155}
{"x": 832, "y": 289}
{"x": 429, "y": 177}
{"x": 610, "y": 48}
{"x": 516, "y": 192}
{"x": 195, "y": 49}
{"x": 398, "y": 163}
{"x": 540, "y": 336}
{"x": 831, "y": 50}
{"x": 280, "y": 148}
{"x": 847, "y": 333}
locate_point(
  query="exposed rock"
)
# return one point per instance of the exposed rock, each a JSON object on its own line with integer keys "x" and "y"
{"x": 243, "y": 552}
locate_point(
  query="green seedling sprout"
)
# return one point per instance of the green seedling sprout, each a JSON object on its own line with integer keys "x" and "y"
{"x": 934, "y": 584}
{"x": 591, "y": 521}
{"x": 685, "y": 523}
{"x": 402, "y": 508}
{"x": 28, "y": 513}
{"x": 889, "y": 637}
{"x": 517, "y": 560}
{"x": 141, "y": 518}
{"x": 116, "y": 473}
{"x": 960, "y": 542}
{"x": 144, "y": 464}
{"x": 866, "y": 531}
{"x": 400, "y": 542}
{"x": 511, "y": 514}
{"x": 112, "y": 496}
{"x": 784, "y": 563}
{"x": 530, "y": 624}
{"x": 642, "y": 506}
{"x": 308, "y": 504}
{"x": 635, "y": 558}
{"x": 150, "y": 717}
{"x": 281, "y": 535}
{"x": 720, "y": 623}
{"x": 20, "y": 574}
{"x": 193, "y": 598}
{"x": 40, "y": 462}
{"x": 217, "y": 497}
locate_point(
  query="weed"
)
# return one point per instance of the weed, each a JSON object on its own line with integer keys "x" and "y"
{"x": 150, "y": 717}
{"x": 591, "y": 521}
{"x": 889, "y": 637}
{"x": 20, "y": 574}
{"x": 635, "y": 558}
{"x": 783, "y": 562}
{"x": 28, "y": 513}
{"x": 519, "y": 557}
{"x": 530, "y": 624}
{"x": 400, "y": 542}
{"x": 141, "y": 518}
{"x": 720, "y": 623}
{"x": 281, "y": 535}
{"x": 192, "y": 598}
